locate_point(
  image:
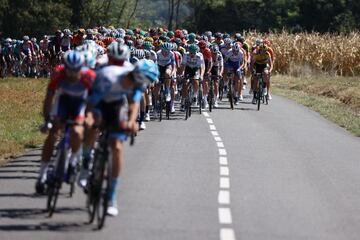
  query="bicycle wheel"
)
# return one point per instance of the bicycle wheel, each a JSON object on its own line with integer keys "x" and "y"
{"x": 94, "y": 186}
{"x": 200, "y": 99}
{"x": 160, "y": 106}
{"x": 230, "y": 95}
{"x": 221, "y": 89}
{"x": 104, "y": 192}
{"x": 259, "y": 93}
{"x": 211, "y": 97}
{"x": 56, "y": 181}
{"x": 167, "y": 107}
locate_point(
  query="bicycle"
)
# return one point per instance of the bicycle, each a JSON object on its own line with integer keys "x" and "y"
{"x": 211, "y": 92}
{"x": 99, "y": 183}
{"x": 62, "y": 170}
{"x": 161, "y": 102}
{"x": 260, "y": 91}
{"x": 230, "y": 76}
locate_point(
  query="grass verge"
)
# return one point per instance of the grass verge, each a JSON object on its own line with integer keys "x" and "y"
{"x": 335, "y": 98}
{"x": 20, "y": 115}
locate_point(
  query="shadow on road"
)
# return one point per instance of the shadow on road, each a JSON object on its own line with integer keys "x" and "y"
{"x": 35, "y": 213}
{"x": 46, "y": 226}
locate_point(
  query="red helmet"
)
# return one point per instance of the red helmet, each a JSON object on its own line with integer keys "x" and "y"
{"x": 202, "y": 44}
{"x": 179, "y": 34}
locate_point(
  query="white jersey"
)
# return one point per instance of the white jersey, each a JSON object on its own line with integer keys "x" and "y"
{"x": 108, "y": 84}
{"x": 193, "y": 62}
{"x": 165, "y": 60}
{"x": 218, "y": 60}
{"x": 224, "y": 50}
{"x": 153, "y": 56}
{"x": 234, "y": 56}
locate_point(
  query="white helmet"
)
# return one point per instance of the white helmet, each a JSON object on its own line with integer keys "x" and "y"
{"x": 118, "y": 51}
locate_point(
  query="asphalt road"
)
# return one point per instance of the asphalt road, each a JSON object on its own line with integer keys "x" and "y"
{"x": 281, "y": 173}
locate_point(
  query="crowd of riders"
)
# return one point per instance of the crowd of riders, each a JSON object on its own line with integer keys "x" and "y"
{"x": 92, "y": 72}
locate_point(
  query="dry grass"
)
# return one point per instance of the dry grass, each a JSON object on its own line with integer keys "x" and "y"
{"x": 313, "y": 52}
{"x": 21, "y": 102}
{"x": 336, "y": 98}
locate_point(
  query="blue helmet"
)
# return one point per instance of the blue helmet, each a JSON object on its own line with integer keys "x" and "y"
{"x": 73, "y": 60}
{"x": 167, "y": 46}
{"x": 145, "y": 72}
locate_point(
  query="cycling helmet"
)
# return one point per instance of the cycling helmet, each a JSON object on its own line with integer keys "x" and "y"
{"x": 226, "y": 35}
{"x": 258, "y": 42}
{"x": 8, "y": 40}
{"x": 218, "y": 35}
{"x": 89, "y": 59}
{"x": 235, "y": 47}
{"x": 138, "y": 53}
{"x": 130, "y": 43}
{"x": 45, "y": 37}
{"x": 208, "y": 34}
{"x": 26, "y": 38}
{"x": 205, "y": 38}
{"x": 192, "y": 36}
{"x": 214, "y": 48}
{"x": 145, "y": 72}
{"x": 73, "y": 60}
{"x": 118, "y": 51}
{"x": 166, "y": 46}
{"x": 34, "y": 40}
{"x": 67, "y": 32}
{"x": 170, "y": 34}
{"x": 130, "y": 32}
{"x": 147, "y": 45}
{"x": 193, "y": 48}
{"x": 202, "y": 44}
{"x": 147, "y": 54}
{"x": 227, "y": 41}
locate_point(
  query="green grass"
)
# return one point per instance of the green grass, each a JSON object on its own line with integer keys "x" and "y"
{"x": 20, "y": 114}
{"x": 335, "y": 98}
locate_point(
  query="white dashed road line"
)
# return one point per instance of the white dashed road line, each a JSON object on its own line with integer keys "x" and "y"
{"x": 224, "y": 211}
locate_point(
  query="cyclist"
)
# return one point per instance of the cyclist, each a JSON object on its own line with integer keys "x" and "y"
{"x": 261, "y": 62}
{"x": 65, "y": 100}
{"x": 114, "y": 84}
{"x": 193, "y": 66}
{"x": 167, "y": 66}
{"x": 234, "y": 59}
{"x": 217, "y": 70}
{"x": 208, "y": 66}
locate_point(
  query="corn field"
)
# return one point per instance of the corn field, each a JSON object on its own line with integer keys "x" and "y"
{"x": 330, "y": 53}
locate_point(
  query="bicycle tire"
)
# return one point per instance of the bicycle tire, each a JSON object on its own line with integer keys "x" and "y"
{"x": 259, "y": 93}
{"x": 53, "y": 191}
{"x": 168, "y": 105}
{"x": 94, "y": 186}
{"x": 160, "y": 106}
{"x": 104, "y": 192}
{"x": 230, "y": 96}
{"x": 200, "y": 99}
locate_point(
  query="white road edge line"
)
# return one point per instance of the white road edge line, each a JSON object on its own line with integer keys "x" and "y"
{"x": 222, "y": 151}
{"x": 224, "y": 183}
{"x": 220, "y": 144}
{"x": 225, "y": 216}
{"x": 224, "y": 197}
{"x": 212, "y": 127}
{"x": 227, "y": 234}
{"x": 223, "y": 161}
{"x": 224, "y": 171}
{"x": 209, "y": 120}
{"x": 214, "y": 133}
{"x": 218, "y": 139}
{"x": 206, "y": 114}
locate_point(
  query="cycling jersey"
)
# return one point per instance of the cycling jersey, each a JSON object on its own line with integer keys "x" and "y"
{"x": 165, "y": 60}
{"x": 234, "y": 57}
{"x": 218, "y": 59}
{"x": 44, "y": 45}
{"x": 108, "y": 85}
{"x": 27, "y": 47}
{"x": 70, "y": 100}
{"x": 197, "y": 61}
{"x": 66, "y": 43}
{"x": 261, "y": 56}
